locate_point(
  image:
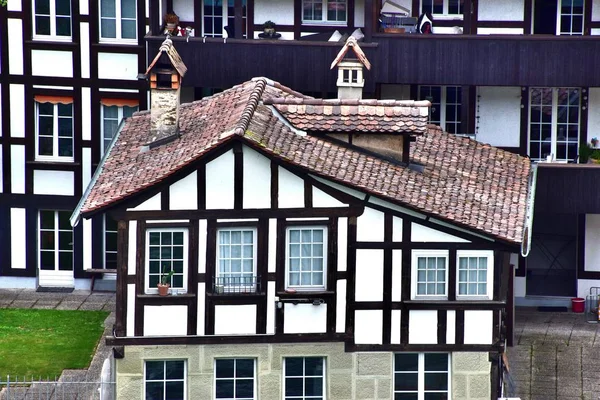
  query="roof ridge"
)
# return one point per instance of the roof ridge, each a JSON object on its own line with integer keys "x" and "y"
{"x": 283, "y": 88}
{"x": 347, "y": 102}
{"x": 251, "y": 105}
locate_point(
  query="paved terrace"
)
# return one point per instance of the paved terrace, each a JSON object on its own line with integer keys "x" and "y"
{"x": 556, "y": 356}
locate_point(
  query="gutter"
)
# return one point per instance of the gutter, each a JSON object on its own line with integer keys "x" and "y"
{"x": 527, "y": 230}
{"x": 76, "y": 216}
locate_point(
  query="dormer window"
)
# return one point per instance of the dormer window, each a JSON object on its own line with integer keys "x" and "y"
{"x": 164, "y": 78}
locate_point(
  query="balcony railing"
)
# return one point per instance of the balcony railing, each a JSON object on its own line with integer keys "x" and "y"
{"x": 236, "y": 284}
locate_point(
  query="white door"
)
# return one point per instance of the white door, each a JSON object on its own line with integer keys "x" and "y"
{"x": 55, "y": 249}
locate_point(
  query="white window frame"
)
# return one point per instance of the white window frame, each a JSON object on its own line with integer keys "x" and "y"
{"x": 165, "y": 380}
{"x": 553, "y": 124}
{"x": 118, "y": 32}
{"x": 57, "y": 241}
{"x": 52, "y": 36}
{"x": 305, "y": 288}
{"x": 414, "y": 272}
{"x": 103, "y": 143}
{"x": 219, "y": 274}
{"x": 154, "y": 290}
{"x": 225, "y": 20}
{"x": 304, "y": 376}
{"x": 421, "y": 375}
{"x": 105, "y": 231}
{"x": 443, "y": 105}
{"x": 235, "y": 378}
{"x": 559, "y": 15}
{"x": 445, "y": 12}
{"x": 55, "y": 135}
{"x": 489, "y": 275}
{"x": 324, "y": 20}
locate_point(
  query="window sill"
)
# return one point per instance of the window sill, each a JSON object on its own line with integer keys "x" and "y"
{"x": 117, "y": 42}
{"x": 307, "y": 293}
{"x": 54, "y": 162}
{"x": 156, "y": 295}
{"x": 325, "y": 23}
{"x": 233, "y": 295}
{"x": 52, "y": 39}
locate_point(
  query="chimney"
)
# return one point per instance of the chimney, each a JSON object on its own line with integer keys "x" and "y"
{"x": 350, "y": 80}
{"x": 165, "y": 74}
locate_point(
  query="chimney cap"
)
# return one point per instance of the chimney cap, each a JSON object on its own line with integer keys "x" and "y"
{"x": 351, "y": 43}
{"x": 175, "y": 59}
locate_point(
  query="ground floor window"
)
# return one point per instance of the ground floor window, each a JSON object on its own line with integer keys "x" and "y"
{"x": 164, "y": 380}
{"x": 55, "y": 241}
{"x": 234, "y": 379}
{"x": 421, "y": 376}
{"x": 304, "y": 378}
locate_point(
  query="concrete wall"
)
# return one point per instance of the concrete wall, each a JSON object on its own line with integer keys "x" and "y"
{"x": 348, "y": 375}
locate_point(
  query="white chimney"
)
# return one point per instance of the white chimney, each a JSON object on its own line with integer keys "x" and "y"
{"x": 350, "y": 80}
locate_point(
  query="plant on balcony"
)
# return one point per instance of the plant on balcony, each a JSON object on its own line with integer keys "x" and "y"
{"x": 588, "y": 153}
{"x": 269, "y": 28}
{"x": 165, "y": 283}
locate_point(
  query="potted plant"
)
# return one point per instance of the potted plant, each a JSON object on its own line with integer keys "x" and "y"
{"x": 165, "y": 283}
{"x": 589, "y": 154}
{"x": 269, "y": 28}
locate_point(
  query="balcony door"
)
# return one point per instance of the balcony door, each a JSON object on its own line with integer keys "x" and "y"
{"x": 219, "y": 17}
{"x": 558, "y": 17}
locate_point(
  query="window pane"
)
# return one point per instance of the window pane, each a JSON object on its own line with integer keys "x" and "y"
{"x": 404, "y": 382}
{"x": 244, "y": 388}
{"x": 42, "y": 25}
{"x": 128, "y": 28}
{"x": 108, "y": 8}
{"x": 174, "y": 369}
{"x": 42, "y": 7}
{"x": 154, "y": 370}
{"x": 436, "y": 362}
{"x": 63, "y": 7}
{"x": 293, "y": 386}
{"x": 127, "y": 8}
{"x": 174, "y": 390}
{"x": 225, "y": 389}
{"x": 63, "y": 26}
{"x": 244, "y": 368}
{"x": 47, "y": 260}
{"x": 108, "y": 28}
{"x": 294, "y": 366}
{"x": 406, "y": 362}
{"x": 225, "y": 368}
{"x": 313, "y": 386}
{"x": 406, "y": 396}
{"x": 154, "y": 391}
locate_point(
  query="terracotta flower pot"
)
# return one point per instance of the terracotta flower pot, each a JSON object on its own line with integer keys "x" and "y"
{"x": 163, "y": 290}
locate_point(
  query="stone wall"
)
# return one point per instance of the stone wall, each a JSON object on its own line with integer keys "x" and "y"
{"x": 350, "y": 376}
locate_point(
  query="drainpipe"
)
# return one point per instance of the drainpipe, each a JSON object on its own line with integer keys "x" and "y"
{"x": 527, "y": 230}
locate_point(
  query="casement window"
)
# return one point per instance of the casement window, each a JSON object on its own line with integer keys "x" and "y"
{"x": 165, "y": 380}
{"x": 324, "y": 11}
{"x": 429, "y": 274}
{"x": 475, "y": 274}
{"x": 554, "y": 123}
{"x": 235, "y": 379}
{"x": 445, "y": 106}
{"x": 54, "y": 128}
{"x": 110, "y": 242}
{"x": 219, "y": 16}
{"x": 52, "y": 19}
{"x": 166, "y": 250}
{"x": 55, "y": 241}
{"x": 118, "y": 20}
{"x": 422, "y": 376}
{"x": 571, "y": 17}
{"x": 112, "y": 114}
{"x": 306, "y": 260}
{"x": 443, "y": 7}
{"x": 236, "y": 260}
{"x": 304, "y": 378}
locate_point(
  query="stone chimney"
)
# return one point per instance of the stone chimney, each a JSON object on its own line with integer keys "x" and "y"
{"x": 165, "y": 74}
{"x": 350, "y": 80}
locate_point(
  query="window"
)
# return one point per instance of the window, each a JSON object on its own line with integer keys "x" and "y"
{"x": 55, "y": 241}
{"x": 118, "y": 19}
{"x": 324, "y": 11}
{"x": 571, "y": 17}
{"x": 234, "y": 379}
{"x": 236, "y": 258}
{"x": 304, "y": 378}
{"x": 444, "y": 7}
{"x": 111, "y": 118}
{"x": 166, "y": 251}
{"x": 475, "y": 274}
{"x": 306, "y": 260}
{"x": 445, "y": 106}
{"x": 430, "y": 274}
{"x": 52, "y": 18}
{"x": 110, "y": 242}
{"x": 422, "y": 376}
{"x": 554, "y": 115}
{"x": 219, "y": 16}
{"x": 165, "y": 380}
{"x": 54, "y": 131}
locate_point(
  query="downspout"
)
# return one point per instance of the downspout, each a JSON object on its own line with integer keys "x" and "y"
{"x": 527, "y": 230}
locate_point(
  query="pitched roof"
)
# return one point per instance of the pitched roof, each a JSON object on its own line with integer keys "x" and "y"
{"x": 167, "y": 48}
{"x": 465, "y": 182}
{"x": 351, "y": 43}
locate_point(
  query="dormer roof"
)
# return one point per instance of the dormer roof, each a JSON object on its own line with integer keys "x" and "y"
{"x": 351, "y": 43}
{"x": 169, "y": 50}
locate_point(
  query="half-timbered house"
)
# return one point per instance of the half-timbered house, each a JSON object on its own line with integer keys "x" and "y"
{"x": 339, "y": 249}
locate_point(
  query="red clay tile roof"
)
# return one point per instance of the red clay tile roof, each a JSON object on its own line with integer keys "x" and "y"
{"x": 380, "y": 116}
{"x": 464, "y": 182}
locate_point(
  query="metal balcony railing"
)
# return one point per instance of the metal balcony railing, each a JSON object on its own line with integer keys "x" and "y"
{"x": 236, "y": 284}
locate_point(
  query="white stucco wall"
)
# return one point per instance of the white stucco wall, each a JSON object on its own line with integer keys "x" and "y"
{"x": 594, "y": 114}
{"x": 499, "y": 113}
{"x": 279, "y": 11}
{"x": 505, "y": 10}
{"x": 592, "y": 238}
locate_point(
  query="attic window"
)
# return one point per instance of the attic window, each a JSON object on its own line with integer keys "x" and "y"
{"x": 349, "y": 76}
{"x": 163, "y": 81}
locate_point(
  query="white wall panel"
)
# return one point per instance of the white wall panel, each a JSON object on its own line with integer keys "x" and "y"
{"x": 369, "y": 275}
{"x": 165, "y": 320}
{"x": 202, "y": 247}
{"x": 368, "y": 326}
{"x": 54, "y": 182}
{"x": 279, "y": 11}
{"x": 257, "y": 181}
{"x": 17, "y": 110}
{"x": 505, "y": 10}
{"x": 592, "y": 238}
{"x": 87, "y": 243}
{"x": 395, "y": 336}
{"x": 84, "y": 45}
{"x": 272, "y": 245}
{"x": 1, "y": 108}
{"x": 17, "y": 238}
{"x": 595, "y": 10}
{"x": 451, "y": 327}
{"x": 593, "y": 115}
{"x": 201, "y": 314}
{"x": 584, "y": 285}
{"x": 422, "y": 233}
{"x": 15, "y": 47}
{"x": 594, "y": 31}
{"x": 219, "y": 182}
{"x": 305, "y": 318}
{"x": 478, "y": 327}
{"x": 152, "y": 204}
{"x": 396, "y": 275}
{"x": 341, "y": 188}
{"x": 17, "y": 169}
{"x": 235, "y": 320}
{"x": 499, "y": 31}
{"x": 132, "y": 248}
{"x": 422, "y": 327}
{"x": 271, "y": 291}
{"x": 342, "y": 244}
{"x": 322, "y": 199}
{"x": 86, "y": 116}
{"x": 86, "y": 166}
{"x": 13, "y": 5}
{"x": 397, "y": 229}
{"x": 52, "y": 63}
{"x": 184, "y": 9}
{"x": 370, "y": 226}
{"x": 499, "y": 115}
{"x": 130, "y": 323}
{"x": 1, "y": 170}
{"x": 520, "y": 284}
{"x": 359, "y": 13}
{"x": 291, "y": 190}
{"x": 117, "y": 66}
{"x": 84, "y": 8}
{"x": 340, "y": 311}
{"x": 183, "y": 194}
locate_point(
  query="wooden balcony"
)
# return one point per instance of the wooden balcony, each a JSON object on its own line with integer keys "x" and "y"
{"x": 498, "y": 60}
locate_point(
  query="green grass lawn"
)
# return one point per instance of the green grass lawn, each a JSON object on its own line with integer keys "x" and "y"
{"x": 44, "y": 342}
